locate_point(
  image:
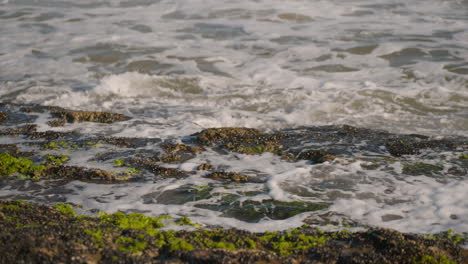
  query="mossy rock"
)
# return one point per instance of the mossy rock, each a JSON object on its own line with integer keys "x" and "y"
{"x": 254, "y": 211}
{"x": 34, "y": 233}
{"x": 56, "y": 160}
{"x": 71, "y": 116}
{"x": 255, "y": 148}
{"x": 152, "y": 164}
{"x": 316, "y": 156}
{"x": 178, "y": 152}
{"x": 205, "y": 167}
{"x": 411, "y": 146}
{"x": 21, "y": 166}
{"x": 421, "y": 168}
{"x": 182, "y": 195}
{"x": 70, "y": 173}
{"x": 178, "y": 148}
{"x": 169, "y": 172}
{"x": 228, "y": 176}
{"x": 212, "y": 136}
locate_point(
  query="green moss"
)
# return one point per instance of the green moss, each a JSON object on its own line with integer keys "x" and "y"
{"x": 132, "y": 171}
{"x": 250, "y": 243}
{"x": 184, "y": 221}
{"x": 426, "y": 259}
{"x": 128, "y": 244}
{"x": 93, "y": 144}
{"x": 452, "y": 235}
{"x": 175, "y": 244}
{"x": 56, "y": 159}
{"x": 9, "y": 207}
{"x": 463, "y": 156}
{"x": 10, "y": 165}
{"x": 287, "y": 243}
{"x": 119, "y": 162}
{"x": 96, "y": 236}
{"x": 133, "y": 221}
{"x": 65, "y": 209}
{"x": 50, "y": 145}
{"x": 53, "y": 145}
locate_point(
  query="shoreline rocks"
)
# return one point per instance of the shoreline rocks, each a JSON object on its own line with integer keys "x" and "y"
{"x": 33, "y": 233}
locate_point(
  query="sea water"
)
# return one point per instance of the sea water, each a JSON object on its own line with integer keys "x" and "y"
{"x": 177, "y": 67}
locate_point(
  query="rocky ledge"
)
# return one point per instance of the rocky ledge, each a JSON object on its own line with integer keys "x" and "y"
{"x": 33, "y": 233}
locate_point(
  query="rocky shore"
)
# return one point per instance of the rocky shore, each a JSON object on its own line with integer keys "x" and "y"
{"x": 35, "y": 233}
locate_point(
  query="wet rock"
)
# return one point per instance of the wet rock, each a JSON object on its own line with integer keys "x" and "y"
{"x": 457, "y": 171}
{"x": 228, "y": 176}
{"x": 391, "y": 217}
{"x": 399, "y": 147}
{"x": 213, "y": 136}
{"x": 3, "y": 117}
{"x": 179, "y": 148}
{"x": 34, "y": 233}
{"x": 253, "y": 211}
{"x": 205, "y": 167}
{"x": 421, "y": 168}
{"x": 70, "y": 116}
{"x": 184, "y": 194}
{"x": 20, "y": 130}
{"x": 56, "y": 123}
{"x": 152, "y": 165}
{"x": 316, "y": 156}
{"x": 178, "y": 152}
{"x": 125, "y": 142}
{"x": 11, "y": 149}
{"x": 168, "y": 172}
{"x": 70, "y": 173}
{"x": 170, "y": 158}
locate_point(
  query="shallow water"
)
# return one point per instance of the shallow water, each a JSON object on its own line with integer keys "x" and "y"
{"x": 177, "y": 67}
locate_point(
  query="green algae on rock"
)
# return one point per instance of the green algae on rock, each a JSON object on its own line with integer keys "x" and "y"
{"x": 56, "y": 159}
{"x": 10, "y": 165}
{"x": 34, "y": 233}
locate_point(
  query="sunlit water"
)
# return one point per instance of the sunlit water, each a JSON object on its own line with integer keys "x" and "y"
{"x": 177, "y": 67}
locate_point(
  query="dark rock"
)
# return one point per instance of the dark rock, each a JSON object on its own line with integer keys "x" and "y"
{"x": 212, "y": 136}
{"x": 399, "y": 147}
{"x": 69, "y": 173}
{"x": 3, "y": 117}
